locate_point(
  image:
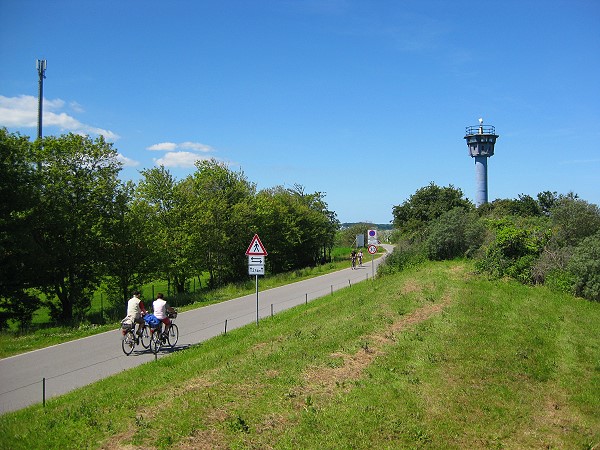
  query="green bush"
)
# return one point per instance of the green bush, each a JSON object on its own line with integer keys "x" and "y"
{"x": 552, "y": 263}
{"x": 515, "y": 249}
{"x": 404, "y": 256}
{"x": 455, "y": 233}
{"x": 574, "y": 220}
{"x": 520, "y": 269}
{"x": 585, "y": 267}
{"x": 560, "y": 281}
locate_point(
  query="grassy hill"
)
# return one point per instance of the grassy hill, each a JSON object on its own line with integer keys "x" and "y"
{"x": 434, "y": 357}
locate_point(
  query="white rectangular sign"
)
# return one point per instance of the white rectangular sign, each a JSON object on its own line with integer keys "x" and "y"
{"x": 254, "y": 260}
{"x": 256, "y": 270}
{"x": 372, "y": 237}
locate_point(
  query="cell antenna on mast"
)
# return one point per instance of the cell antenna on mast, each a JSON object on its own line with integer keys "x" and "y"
{"x": 41, "y": 69}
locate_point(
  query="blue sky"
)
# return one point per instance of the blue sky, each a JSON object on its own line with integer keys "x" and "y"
{"x": 366, "y": 101}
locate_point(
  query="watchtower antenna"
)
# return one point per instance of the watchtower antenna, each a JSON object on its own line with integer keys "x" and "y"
{"x": 481, "y": 140}
{"x": 41, "y": 69}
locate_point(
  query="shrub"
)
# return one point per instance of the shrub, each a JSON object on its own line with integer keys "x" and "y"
{"x": 560, "y": 281}
{"x": 514, "y": 250}
{"x": 585, "y": 267}
{"x": 405, "y": 255}
{"x": 551, "y": 261}
{"x": 574, "y": 220}
{"x": 454, "y": 234}
{"x": 521, "y": 268}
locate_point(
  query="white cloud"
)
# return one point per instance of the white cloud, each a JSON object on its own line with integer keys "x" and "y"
{"x": 179, "y": 159}
{"x": 175, "y": 155}
{"x": 163, "y": 146}
{"x": 18, "y": 111}
{"x": 127, "y": 162}
{"x": 22, "y": 111}
{"x": 197, "y": 146}
{"x": 172, "y": 146}
{"x": 76, "y": 107}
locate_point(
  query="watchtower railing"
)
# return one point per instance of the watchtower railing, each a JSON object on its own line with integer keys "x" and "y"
{"x": 480, "y": 129}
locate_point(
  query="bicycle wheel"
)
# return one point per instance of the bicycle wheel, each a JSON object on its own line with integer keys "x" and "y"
{"x": 173, "y": 336}
{"x": 155, "y": 342}
{"x": 145, "y": 337}
{"x": 128, "y": 343}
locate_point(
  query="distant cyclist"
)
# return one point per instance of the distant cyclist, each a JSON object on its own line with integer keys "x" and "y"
{"x": 360, "y": 256}
{"x": 353, "y": 258}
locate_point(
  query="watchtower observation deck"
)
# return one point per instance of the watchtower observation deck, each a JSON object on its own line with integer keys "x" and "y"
{"x": 481, "y": 140}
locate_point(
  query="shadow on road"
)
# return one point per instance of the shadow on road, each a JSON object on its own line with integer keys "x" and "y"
{"x": 177, "y": 348}
{"x": 164, "y": 350}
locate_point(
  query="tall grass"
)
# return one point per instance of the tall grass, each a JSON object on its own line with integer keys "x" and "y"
{"x": 433, "y": 357}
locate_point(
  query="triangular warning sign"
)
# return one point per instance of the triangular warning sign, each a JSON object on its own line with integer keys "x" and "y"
{"x": 256, "y": 247}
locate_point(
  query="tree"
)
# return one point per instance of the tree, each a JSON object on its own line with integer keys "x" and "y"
{"x": 220, "y": 219}
{"x": 78, "y": 186}
{"x": 298, "y": 226}
{"x": 159, "y": 200}
{"x": 573, "y": 220}
{"x": 426, "y": 205}
{"x": 18, "y": 261}
{"x": 130, "y": 250}
{"x": 277, "y": 220}
{"x": 546, "y": 200}
{"x": 523, "y": 206}
{"x": 318, "y": 224}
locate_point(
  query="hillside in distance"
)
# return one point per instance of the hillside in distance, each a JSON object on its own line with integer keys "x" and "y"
{"x": 377, "y": 226}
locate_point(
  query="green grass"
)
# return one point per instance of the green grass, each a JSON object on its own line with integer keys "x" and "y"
{"x": 433, "y": 357}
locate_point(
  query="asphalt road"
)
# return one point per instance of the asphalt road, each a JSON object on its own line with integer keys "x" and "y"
{"x": 65, "y": 367}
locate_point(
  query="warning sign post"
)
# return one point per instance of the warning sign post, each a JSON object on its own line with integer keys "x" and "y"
{"x": 256, "y": 263}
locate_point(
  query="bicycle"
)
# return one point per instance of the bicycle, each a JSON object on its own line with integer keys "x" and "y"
{"x": 158, "y": 338}
{"x": 130, "y": 339}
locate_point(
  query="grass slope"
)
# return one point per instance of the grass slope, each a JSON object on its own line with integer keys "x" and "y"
{"x": 434, "y": 357}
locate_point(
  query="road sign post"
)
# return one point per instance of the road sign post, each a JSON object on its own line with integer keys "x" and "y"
{"x": 256, "y": 253}
{"x": 372, "y": 249}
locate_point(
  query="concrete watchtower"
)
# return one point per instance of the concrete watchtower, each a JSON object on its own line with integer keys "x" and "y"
{"x": 481, "y": 140}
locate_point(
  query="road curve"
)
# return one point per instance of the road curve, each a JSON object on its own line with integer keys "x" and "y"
{"x": 65, "y": 367}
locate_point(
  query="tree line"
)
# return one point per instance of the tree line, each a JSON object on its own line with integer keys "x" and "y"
{"x": 68, "y": 224}
{"x": 553, "y": 239}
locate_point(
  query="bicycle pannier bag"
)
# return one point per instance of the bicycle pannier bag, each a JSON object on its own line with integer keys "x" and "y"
{"x": 152, "y": 320}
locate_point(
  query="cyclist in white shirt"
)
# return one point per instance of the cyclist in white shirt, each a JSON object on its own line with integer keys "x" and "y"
{"x": 161, "y": 311}
{"x": 135, "y": 312}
